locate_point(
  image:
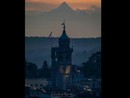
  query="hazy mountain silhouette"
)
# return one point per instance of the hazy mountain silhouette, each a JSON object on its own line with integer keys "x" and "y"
{"x": 80, "y": 23}
{"x": 64, "y": 11}
{"x": 38, "y": 49}
{"x": 64, "y": 7}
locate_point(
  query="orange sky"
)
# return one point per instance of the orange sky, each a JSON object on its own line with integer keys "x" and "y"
{"x": 75, "y": 4}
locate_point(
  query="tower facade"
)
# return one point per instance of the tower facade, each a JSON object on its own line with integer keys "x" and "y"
{"x": 61, "y": 62}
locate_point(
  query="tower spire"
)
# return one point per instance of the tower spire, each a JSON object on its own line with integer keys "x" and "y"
{"x": 63, "y": 25}
{"x": 64, "y": 35}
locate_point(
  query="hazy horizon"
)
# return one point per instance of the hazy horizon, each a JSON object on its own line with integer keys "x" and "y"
{"x": 39, "y": 49}
{"x": 59, "y": 37}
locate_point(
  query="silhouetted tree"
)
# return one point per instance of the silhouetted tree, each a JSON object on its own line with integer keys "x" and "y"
{"x": 45, "y": 65}
{"x": 45, "y": 71}
{"x": 92, "y": 68}
{"x": 30, "y": 70}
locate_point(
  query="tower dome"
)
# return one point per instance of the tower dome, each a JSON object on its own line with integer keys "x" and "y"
{"x": 64, "y": 35}
{"x": 64, "y": 40}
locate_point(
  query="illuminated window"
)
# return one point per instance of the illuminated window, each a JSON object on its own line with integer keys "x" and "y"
{"x": 68, "y": 69}
{"x": 56, "y": 59}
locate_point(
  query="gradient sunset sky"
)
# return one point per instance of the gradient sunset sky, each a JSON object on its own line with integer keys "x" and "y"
{"x": 37, "y": 5}
{"x": 78, "y": 25}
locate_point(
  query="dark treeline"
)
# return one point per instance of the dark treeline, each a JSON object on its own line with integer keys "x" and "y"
{"x": 90, "y": 68}
{"x": 31, "y": 70}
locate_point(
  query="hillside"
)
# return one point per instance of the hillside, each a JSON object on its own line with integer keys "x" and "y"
{"x": 38, "y": 49}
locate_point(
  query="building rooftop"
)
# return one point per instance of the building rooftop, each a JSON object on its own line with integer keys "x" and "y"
{"x": 64, "y": 35}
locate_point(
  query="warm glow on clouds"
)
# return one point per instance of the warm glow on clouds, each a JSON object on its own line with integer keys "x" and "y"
{"x": 50, "y": 4}
{"x": 68, "y": 1}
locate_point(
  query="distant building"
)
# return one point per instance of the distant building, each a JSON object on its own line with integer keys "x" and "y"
{"x": 36, "y": 83}
{"x": 93, "y": 85}
{"x": 61, "y": 62}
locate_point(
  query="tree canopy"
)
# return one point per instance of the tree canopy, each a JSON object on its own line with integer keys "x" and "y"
{"x": 92, "y": 67}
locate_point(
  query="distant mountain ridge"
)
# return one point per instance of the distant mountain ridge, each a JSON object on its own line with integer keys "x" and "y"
{"x": 38, "y": 49}
{"x": 63, "y": 7}
{"x": 79, "y": 23}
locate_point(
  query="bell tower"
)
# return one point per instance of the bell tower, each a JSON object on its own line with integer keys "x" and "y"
{"x": 64, "y": 40}
{"x": 61, "y": 62}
